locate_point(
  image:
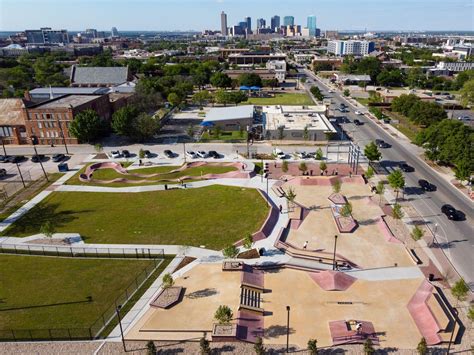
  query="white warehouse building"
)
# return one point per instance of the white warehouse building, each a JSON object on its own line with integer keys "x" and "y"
{"x": 351, "y": 47}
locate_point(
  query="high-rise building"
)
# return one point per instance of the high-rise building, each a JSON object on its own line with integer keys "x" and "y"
{"x": 275, "y": 22}
{"x": 261, "y": 23}
{"x": 249, "y": 24}
{"x": 46, "y": 35}
{"x": 342, "y": 48}
{"x": 311, "y": 24}
{"x": 288, "y": 21}
{"x": 224, "y": 24}
{"x": 115, "y": 32}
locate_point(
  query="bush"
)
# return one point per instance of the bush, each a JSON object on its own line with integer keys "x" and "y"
{"x": 223, "y": 314}
{"x": 150, "y": 348}
{"x": 460, "y": 290}
{"x": 204, "y": 345}
{"x": 230, "y": 251}
{"x": 313, "y": 346}
{"x": 248, "y": 241}
{"x": 417, "y": 233}
{"x": 258, "y": 346}
{"x": 167, "y": 280}
{"x": 346, "y": 210}
{"x": 369, "y": 174}
{"x": 422, "y": 347}
{"x": 319, "y": 154}
{"x": 284, "y": 166}
{"x": 397, "y": 211}
{"x": 336, "y": 186}
{"x": 303, "y": 167}
{"x": 323, "y": 166}
{"x": 141, "y": 153}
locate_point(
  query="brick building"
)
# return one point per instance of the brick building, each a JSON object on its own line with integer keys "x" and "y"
{"x": 12, "y": 122}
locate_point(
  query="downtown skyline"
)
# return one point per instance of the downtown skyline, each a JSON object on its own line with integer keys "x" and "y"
{"x": 159, "y": 15}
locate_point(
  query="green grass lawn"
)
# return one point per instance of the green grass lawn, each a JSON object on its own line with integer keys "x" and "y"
{"x": 46, "y": 292}
{"x": 225, "y": 136}
{"x": 213, "y": 216}
{"x": 281, "y": 99}
{"x": 109, "y": 174}
{"x": 362, "y": 101}
{"x": 405, "y": 126}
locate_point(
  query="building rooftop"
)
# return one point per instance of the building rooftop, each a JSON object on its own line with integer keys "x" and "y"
{"x": 297, "y": 118}
{"x": 11, "y": 112}
{"x": 229, "y": 113}
{"x": 99, "y": 75}
{"x": 68, "y": 90}
{"x": 67, "y": 101}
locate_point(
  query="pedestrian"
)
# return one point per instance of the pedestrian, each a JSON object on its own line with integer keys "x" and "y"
{"x": 280, "y": 208}
{"x": 305, "y": 245}
{"x": 350, "y": 174}
{"x": 326, "y": 172}
{"x": 358, "y": 327}
{"x": 311, "y": 172}
{"x": 337, "y": 172}
{"x": 166, "y": 187}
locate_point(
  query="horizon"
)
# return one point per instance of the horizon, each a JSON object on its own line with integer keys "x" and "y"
{"x": 154, "y": 15}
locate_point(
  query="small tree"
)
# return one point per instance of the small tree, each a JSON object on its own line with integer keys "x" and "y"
{"x": 305, "y": 133}
{"x": 290, "y": 197}
{"x": 368, "y": 347}
{"x": 141, "y": 154}
{"x": 313, "y": 346}
{"x": 347, "y": 93}
{"x": 98, "y": 147}
{"x": 422, "y": 347}
{"x": 167, "y": 280}
{"x": 47, "y": 228}
{"x": 460, "y": 290}
{"x": 346, "y": 210}
{"x": 470, "y": 313}
{"x": 379, "y": 190}
{"x": 248, "y": 241}
{"x": 397, "y": 211}
{"x": 284, "y": 166}
{"x": 319, "y": 154}
{"x": 150, "y": 347}
{"x": 230, "y": 251}
{"x": 303, "y": 167}
{"x": 323, "y": 166}
{"x": 417, "y": 233}
{"x": 371, "y": 151}
{"x": 204, "y": 345}
{"x": 369, "y": 174}
{"x": 223, "y": 314}
{"x": 258, "y": 346}
{"x": 396, "y": 181}
{"x": 336, "y": 186}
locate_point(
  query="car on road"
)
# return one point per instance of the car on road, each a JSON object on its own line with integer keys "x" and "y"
{"x": 58, "y": 157}
{"x": 147, "y": 154}
{"x": 279, "y": 153}
{"x": 464, "y": 118}
{"x": 214, "y": 154}
{"x": 357, "y": 122}
{"x": 4, "y": 158}
{"x": 452, "y": 213}
{"x": 381, "y": 143}
{"x": 115, "y": 154}
{"x": 406, "y": 168}
{"x": 426, "y": 185}
{"x": 190, "y": 154}
{"x": 202, "y": 154}
{"x": 16, "y": 159}
{"x": 3, "y": 173}
{"x": 358, "y": 113}
{"x": 38, "y": 158}
{"x": 301, "y": 155}
{"x": 168, "y": 153}
{"x": 126, "y": 154}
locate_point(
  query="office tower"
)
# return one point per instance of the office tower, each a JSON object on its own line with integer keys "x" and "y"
{"x": 311, "y": 24}
{"x": 288, "y": 21}
{"x": 224, "y": 24}
{"x": 249, "y": 24}
{"x": 46, "y": 35}
{"x": 261, "y": 23}
{"x": 275, "y": 23}
{"x": 115, "y": 32}
{"x": 351, "y": 47}
{"x": 243, "y": 25}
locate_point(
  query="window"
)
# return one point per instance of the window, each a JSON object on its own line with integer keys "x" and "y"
{"x": 36, "y": 116}
{"x": 40, "y": 125}
{"x": 41, "y": 134}
{"x": 296, "y": 134}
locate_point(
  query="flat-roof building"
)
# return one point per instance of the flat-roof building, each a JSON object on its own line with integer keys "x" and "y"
{"x": 230, "y": 118}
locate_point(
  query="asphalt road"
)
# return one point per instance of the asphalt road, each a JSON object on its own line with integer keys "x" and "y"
{"x": 455, "y": 238}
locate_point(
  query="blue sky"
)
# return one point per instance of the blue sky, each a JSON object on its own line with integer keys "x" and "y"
{"x": 204, "y": 14}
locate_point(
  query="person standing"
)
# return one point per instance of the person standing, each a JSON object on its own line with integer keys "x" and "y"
{"x": 305, "y": 245}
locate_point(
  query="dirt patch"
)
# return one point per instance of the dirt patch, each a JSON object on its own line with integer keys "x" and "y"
{"x": 101, "y": 156}
{"x": 187, "y": 260}
{"x": 249, "y": 254}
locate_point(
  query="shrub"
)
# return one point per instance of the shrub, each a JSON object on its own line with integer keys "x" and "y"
{"x": 248, "y": 241}
{"x": 303, "y": 167}
{"x": 460, "y": 290}
{"x": 204, "y": 345}
{"x": 397, "y": 211}
{"x": 167, "y": 280}
{"x": 141, "y": 153}
{"x": 47, "y": 228}
{"x": 223, "y": 314}
{"x": 313, "y": 346}
{"x": 368, "y": 347}
{"x": 319, "y": 154}
{"x": 369, "y": 174}
{"x": 417, "y": 233}
{"x": 323, "y": 166}
{"x": 346, "y": 210}
{"x": 150, "y": 347}
{"x": 230, "y": 251}
{"x": 284, "y": 166}
{"x": 422, "y": 347}
{"x": 336, "y": 186}
{"x": 258, "y": 346}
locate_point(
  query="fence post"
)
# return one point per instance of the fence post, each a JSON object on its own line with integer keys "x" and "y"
{"x": 69, "y": 333}
{"x": 97, "y": 252}
{"x": 136, "y": 253}
{"x": 90, "y": 334}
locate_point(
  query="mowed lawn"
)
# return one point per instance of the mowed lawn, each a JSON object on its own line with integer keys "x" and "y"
{"x": 45, "y": 292}
{"x": 213, "y": 216}
{"x": 110, "y": 174}
{"x": 281, "y": 99}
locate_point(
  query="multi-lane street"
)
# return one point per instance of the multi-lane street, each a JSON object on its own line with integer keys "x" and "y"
{"x": 455, "y": 237}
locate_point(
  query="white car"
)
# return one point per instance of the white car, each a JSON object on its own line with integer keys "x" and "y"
{"x": 201, "y": 154}
{"x": 190, "y": 154}
{"x": 115, "y": 154}
{"x": 279, "y": 153}
{"x": 301, "y": 155}
{"x": 358, "y": 113}
{"x": 464, "y": 118}
{"x": 331, "y": 91}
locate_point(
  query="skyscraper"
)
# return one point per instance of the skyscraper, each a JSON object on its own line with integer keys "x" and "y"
{"x": 249, "y": 24}
{"x": 261, "y": 23}
{"x": 115, "y": 32}
{"x": 46, "y": 35}
{"x": 224, "y": 24}
{"x": 311, "y": 24}
{"x": 275, "y": 22}
{"x": 288, "y": 21}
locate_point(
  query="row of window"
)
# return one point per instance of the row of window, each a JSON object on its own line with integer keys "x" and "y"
{"x": 48, "y": 116}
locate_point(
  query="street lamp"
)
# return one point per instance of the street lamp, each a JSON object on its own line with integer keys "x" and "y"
{"x": 21, "y": 175}
{"x": 34, "y": 140}
{"x": 334, "y": 256}
{"x": 288, "y": 329}
{"x": 117, "y": 310}
{"x": 63, "y": 137}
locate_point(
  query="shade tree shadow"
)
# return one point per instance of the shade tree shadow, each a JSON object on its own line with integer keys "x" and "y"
{"x": 206, "y": 292}
{"x": 275, "y": 331}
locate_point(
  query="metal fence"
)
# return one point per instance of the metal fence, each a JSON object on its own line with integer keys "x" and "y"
{"x": 75, "y": 251}
{"x": 99, "y": 329}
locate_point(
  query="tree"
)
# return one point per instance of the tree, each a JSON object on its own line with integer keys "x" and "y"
{"x": 223, "y": 314}
{"x": 368, "y": 347}
{"x": 422, "y": 347}
{"x": 87, "y": 126}
{"x": 123, "y": 121}
{"x": 204, "y": 345}
{"x": 258, "y": 346}
{"x": 319, "y": 154}
{"x": 150, "y": 347}
{"x": 290, "y": 197}
{"x": 470, "y": 313}
{"x": 463, "y": 171}
{"x": 369, "y": 174}
{"x": 226, "y": 97}
{"x": 460, "y": 290}
{"x": 221, "y": 80}
{"x": 167, "y": 280}
{"x": 270, "y": 82}
{"x": 250, "y": 79}
{"x": 284, "y": 166}
{"x": 281, "y": 132}
{"x": 379, "y": 190}
{"x": 396, "y": 181}
{"x": 230, "y": 251}
{"x": 323, "y": 166}
{"x": 316, "y": 93}
{"x": 47, "y": 228}
{"x": 372, "y": 153}
{"x": 391, "y": 77}
{"x": 397, "y": 211}
{"x": 145, "y": 127}
{"x": 313, "y": 346}
{"x": 346, "y": 93}
{"x": 417, "y": 233}
{"x": 98, "y": 147}
{"x": 174, "y": 99}
{"x": 305, "y": 133}
{"x": 248, "y": 241}
{"x": 467, "y": 93}
{"x": 303, "y": 167}
{"x": 201, "y": 97}
{"x": 141, "y": 154}
{"x": 426, "y": 113}
{"x": 346, "y": 210}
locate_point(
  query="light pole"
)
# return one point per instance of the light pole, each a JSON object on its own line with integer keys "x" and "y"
{"x": 117, "y": 310}
{"x": 21, "y": 175}
{"x": 33, "y": 141}
{"x": 288, "y": 329}
{"x": 334, "y": 256}
{"x": 434, "y": 234}
{"x": 62, "y": 136}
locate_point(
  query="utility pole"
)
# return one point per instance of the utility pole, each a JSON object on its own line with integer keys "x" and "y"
{"x": 33, "y": 141}
{"x": 21, "y": 175}
{"x": 62, "y": 135}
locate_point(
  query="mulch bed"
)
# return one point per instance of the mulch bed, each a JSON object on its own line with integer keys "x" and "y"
{"x": 187, "y": 260}
{"x": 249, "y": 254}
{"x": 101, "y": 156}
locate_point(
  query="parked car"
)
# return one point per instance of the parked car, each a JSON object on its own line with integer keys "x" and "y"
{"x": 59, "y": 157}
{"x": 426, "y": 186}
{"x": 202, "y": 154}
{"x": 406, "y": 168}
{"x": 279, "y": 153}
{"x": 464, "y": 118}
{"x": 358, "y": 113}
{"x": 147, "y": 154}
{"x": 38, "y": 158}
{"x": 381, "y": 143}
{"x": 452, "y": 213}
{"x": 3, "y": 173}
{"x": 301, "y": 155}
{"x": 214, "y": 154}
{"x": 16, "y": 159}
{"x": 357, "y": 122}
{"x": 115, "y": 154}
{"x": 190, "y": 154}
{"x": 126, "y": 153}
{"x": 331, "y": 91}
{"x": 4, "y": 158}
{"x": 168, "y": 153}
